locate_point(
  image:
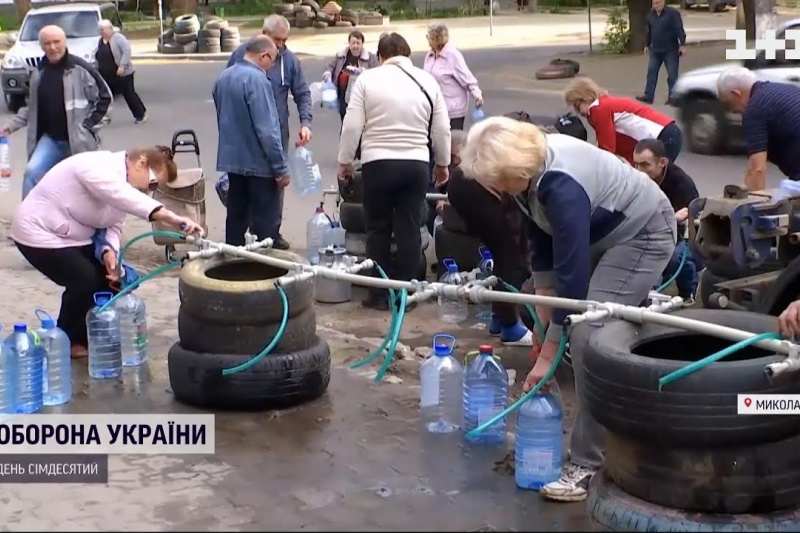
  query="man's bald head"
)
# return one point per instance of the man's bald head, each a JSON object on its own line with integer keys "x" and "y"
{"x": 261, "y": 50}
{"x": 53, "y": 41}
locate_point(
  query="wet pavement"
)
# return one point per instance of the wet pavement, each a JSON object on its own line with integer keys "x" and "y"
{"x": 353, "y": 460}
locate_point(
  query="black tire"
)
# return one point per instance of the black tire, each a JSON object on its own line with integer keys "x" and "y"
{"x": 756, "y": 479}
{"x": 685, "y": 5}
{"x": 356, "y": 243}
{"x": 15, "y": 102}
{"x": 216, "y": 25}
{"x": 692, "y": 113}
{"x": 186, "y": 24}
{"x": 209, "y": 337}
{"x": 209, "y": 33}
{"x": 352, "y": 190}
{"x": 462, "y": 248}
{"x": 252, "y": 301}
{"x": 313, "y": 4}
{"x": 613, "y": 509}
{"x": 185, "y": 38}
{"x": 708, "y": 286}
{"x": 726, "y": 267}
{"x": 348, "y": 13}
{"x": 278, "y": 381}
{"x": 623, "y": 366}
{"x": 351, "y": 216}
{"x": 783, "y": 291}
{"x": 422, "y": 270}
{"x": 452, "y": 221}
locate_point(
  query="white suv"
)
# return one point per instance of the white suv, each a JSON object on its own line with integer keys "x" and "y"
{"x": 79, "y": 22}
{"x": 709, "y": 127}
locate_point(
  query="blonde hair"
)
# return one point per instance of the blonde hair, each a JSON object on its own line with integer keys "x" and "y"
{"x": 582, "y": 90}
{"x": 457, "y": 139}
{"x": 438, "y": 34}
{"x": 501, "y": 148}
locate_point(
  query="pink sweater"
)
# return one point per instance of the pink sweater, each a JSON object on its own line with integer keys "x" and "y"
{"x": 454, "y": 77}
{"x": 83, "y": 193}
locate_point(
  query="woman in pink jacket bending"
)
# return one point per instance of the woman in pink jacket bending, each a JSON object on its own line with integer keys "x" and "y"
{"x": 55, "y": 224}
{"x": 445, "y": 63}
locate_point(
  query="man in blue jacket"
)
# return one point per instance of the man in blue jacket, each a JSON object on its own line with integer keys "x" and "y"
{"x": 250, "y": 146}
{"x": 286, "y": 75}
{"x": 666, "y": 43}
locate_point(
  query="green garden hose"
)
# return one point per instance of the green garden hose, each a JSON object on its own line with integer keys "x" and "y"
{"x": 672, "y": 278}
{"x": 392, "y": 325}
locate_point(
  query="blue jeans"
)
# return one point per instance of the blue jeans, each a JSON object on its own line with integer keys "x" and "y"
{"x": 668, "y": 58}
{"x": 687, "y": 279}
{"x": 47, "y": 154}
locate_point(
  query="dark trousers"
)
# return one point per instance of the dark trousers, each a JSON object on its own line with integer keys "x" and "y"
{"x": 252, "y": 202}
{"x": 688, "y": 278}
{"x": 457, "y": 123}
{"x": 672, "y": 138}
{"x": 394, "y": 191}
{"x": 499, "y": 227}
{"x": 124, "y": 85}
{"x": 80, "y": 273}
{"x": 656, "y": 59}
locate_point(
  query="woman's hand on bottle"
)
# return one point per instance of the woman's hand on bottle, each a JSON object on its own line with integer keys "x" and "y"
{"x": 185, "y": 224}
{"x": 326, "y": 76}
{"x": 110, "y": 262}
{"x": 542, "y": 365}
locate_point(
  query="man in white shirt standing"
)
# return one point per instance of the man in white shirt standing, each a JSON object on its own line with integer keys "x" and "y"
{"x": 397, "y": 111}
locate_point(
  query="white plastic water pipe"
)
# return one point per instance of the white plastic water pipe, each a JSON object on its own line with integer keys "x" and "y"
{"x": 435, "y": 196}
{"x": 430, "y": 290}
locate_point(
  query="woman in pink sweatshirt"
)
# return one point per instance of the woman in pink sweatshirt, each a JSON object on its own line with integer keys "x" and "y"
{"x": 447, "y": 65}
{"x": 55, "y": 224}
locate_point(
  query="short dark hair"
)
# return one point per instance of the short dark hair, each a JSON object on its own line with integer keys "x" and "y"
{"x": 655, "y": 146}
{"x": 393, "y": 45}
{"x": 357, "y": 34}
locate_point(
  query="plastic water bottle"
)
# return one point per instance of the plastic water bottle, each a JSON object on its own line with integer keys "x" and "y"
{"x": 105, "y": 345}
{"x": 132, "y": 329}
{"x": 485, "y": 396}
{"x": 8, "y": 382}
{"x": 330, "y": 96}
{"x": 56, "y": 361}
{"x": 440, "y": 387}
{"x": 539, "y": 444}
{"x": 478, "y": 114}
{"x": 24, "y": 346}
{"x": 5, "y": 165}
{"x": 317, "y": 233}
{"x": 483, "y": 312}
{"x": 335, "y": 237}
{"x": 306, "y": 177}
{"x": 452, "y": 310}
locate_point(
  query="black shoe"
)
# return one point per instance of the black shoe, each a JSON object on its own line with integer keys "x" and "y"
{"x": 378, "y": 303}
{"x": 671, "y": 102}
{"x": 280, "y": 243}
{"x": 644, "y": 99}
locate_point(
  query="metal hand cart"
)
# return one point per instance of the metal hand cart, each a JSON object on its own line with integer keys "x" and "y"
{"x": 185, "y": 196}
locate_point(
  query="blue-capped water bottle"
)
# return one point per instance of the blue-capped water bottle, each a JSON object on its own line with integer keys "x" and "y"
{"x": 8, "y": 381}
{"x": 452, "y": 310}
{"x": 483, "y": 311}
{"x": 134, "y": 340}
{"x": 539, "y": 445}
{"x": 485, "y": 396}
{"x": 24, "y": 346}
{"x": 440, "y": 387}
{"x": 105, "y": 343}
{"x": 56, "y": 361}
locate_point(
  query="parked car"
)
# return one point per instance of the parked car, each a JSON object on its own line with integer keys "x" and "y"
{"x": 79, "y": 21}
{"x": 714, "y": 6}
{"x": 708, "y": 126}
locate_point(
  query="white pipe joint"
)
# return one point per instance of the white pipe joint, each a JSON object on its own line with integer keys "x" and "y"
{"x": 435, "y": 196}
{"x": 790, "y": 364}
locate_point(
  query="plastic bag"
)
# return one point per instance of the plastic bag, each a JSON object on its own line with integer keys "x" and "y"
{"x": 222, "y": 189}
{"x": 316, "y": 93}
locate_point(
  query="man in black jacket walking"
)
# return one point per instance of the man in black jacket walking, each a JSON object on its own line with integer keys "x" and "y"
{"x": 666, "y": 43}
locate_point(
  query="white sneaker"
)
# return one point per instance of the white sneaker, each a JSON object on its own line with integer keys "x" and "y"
{"x": 571, "y": 487}
{"x": 525, "y": 340}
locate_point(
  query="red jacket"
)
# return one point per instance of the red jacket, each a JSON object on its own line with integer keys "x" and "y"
{"x": 619, "y": 123}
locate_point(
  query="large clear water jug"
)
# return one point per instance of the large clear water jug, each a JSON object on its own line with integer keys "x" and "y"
{"x": 335, "y": 236}
{"x": 330, "y": 96}
{"x": 8, "y": 382}
{"x": 306, "y": 177}
{"x": 485, "y": 396}
{"x": 24, "y": 346}
{"x": 105, "y": 344}
{"x": 483, "y": 311}
{"x": 56, "y": 361}
{"x": 440, "y": 387}
{"x": 134, "y": 341}
{"x": 5, "y": 165}
{"x": 452, "y": 310}
{"x": 317, "y": 233}
{"x": 539, "y": 445}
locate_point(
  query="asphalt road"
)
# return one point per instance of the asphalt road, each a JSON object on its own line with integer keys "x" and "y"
{"x": 178, "y": 96}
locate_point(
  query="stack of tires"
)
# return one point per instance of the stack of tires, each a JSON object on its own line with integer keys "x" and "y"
{"x": 351, "y": 216}
{"x": 187, "y": 37}
{"x": 452, "y": 240}
{"x": 182, "y": 39}
{"x": 216, "y": 36}
{"x": 681, "y": 457}
{"x": 230, "y": 311}
{"x": 305, "y": 14}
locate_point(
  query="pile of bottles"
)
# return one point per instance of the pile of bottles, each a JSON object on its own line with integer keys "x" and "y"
{"x": 454, "y": 310}
{"x": 36, "y": 366}
{"x": 454, "y": 398}
{"x": 321, "y": 232}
